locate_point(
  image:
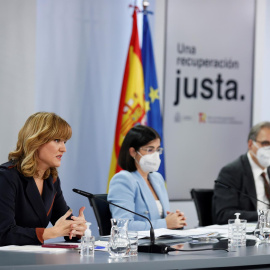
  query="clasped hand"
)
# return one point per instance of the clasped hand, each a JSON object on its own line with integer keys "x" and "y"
{"x": 71, "y": 227}
{"x": 175, "y": 220}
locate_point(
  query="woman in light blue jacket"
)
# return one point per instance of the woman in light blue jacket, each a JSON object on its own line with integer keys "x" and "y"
{"x": 139, "y": 187}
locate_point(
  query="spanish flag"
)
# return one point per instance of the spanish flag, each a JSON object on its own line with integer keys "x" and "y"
{"x": 131, "y": 107}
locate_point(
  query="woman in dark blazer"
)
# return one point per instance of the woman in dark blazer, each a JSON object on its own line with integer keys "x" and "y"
{"x": 30, "y": 189}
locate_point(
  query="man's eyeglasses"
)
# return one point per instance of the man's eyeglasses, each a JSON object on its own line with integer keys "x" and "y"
{"x": 151, "y": 150}
{"x": 264, "y": 143}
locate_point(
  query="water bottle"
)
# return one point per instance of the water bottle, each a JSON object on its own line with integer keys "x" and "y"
{"x": 236, "y": 232}
{"x": 87, "y": 242}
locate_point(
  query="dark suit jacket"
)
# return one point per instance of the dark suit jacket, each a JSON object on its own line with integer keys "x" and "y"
{"x": 23, "y": 212}
{"x": 227, "y": 202}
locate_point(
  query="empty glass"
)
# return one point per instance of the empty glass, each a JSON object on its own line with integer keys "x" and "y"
{"x": 266, "y": 227}
{"x": 260, "y": 230}
{"x": 133, "y": 240}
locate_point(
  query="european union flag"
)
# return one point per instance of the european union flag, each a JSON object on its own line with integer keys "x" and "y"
{"x": 152, "y": 103}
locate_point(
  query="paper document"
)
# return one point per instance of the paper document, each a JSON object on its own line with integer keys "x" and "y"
{"x": 223, "y": 229}
{"x": 30, "y": 248}
{"x": 198, "y": 232}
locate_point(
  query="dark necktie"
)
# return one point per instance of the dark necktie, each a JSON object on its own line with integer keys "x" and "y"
{"x": 266, "y": 186}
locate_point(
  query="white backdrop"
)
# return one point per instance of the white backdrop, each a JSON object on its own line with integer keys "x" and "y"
{"x": 208, "y": 89}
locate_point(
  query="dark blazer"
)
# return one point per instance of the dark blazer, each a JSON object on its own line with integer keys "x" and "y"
{"x": 24, "y": 213}
{"x": 227, "y": 202}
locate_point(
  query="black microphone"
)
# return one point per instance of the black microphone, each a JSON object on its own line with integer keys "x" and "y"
{"x": 247, "y": 195}
{"x": 152, "y": 248}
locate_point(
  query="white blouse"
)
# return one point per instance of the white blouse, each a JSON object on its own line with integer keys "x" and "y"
{"x": 160, "y": 208}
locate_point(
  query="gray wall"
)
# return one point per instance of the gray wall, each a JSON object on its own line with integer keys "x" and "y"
{"x": 17, "y": 69}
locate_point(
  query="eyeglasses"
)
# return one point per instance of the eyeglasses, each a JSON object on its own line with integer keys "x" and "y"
{"x": 264, "y": 143}
{"x": 151, "y": 150}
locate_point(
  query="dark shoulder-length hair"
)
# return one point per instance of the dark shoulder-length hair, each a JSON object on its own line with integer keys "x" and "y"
{"x": 137, "y": 137}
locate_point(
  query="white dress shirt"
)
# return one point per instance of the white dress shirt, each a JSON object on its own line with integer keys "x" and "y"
{"x": 259, "y": 184}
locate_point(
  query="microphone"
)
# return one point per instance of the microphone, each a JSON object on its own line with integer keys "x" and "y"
{"x": 152, "y": 248}
{"x": 243, "y": 193}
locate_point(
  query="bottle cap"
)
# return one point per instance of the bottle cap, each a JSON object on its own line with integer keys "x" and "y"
{"x": 237, "y": 220}
{"x": 88, "y": 231}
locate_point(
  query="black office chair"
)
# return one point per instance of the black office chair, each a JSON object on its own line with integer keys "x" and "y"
{"x": 203, "y": 202}
{"x": 102, "y": 213}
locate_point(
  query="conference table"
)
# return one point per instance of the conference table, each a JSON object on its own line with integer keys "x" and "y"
{"x": 249, "y": 257}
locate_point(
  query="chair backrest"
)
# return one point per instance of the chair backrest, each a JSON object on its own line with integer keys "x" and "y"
{"x": 203, "y": 202}
{"x": 102, "y": 213}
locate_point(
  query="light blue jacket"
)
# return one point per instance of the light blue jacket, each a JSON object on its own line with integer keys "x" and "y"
{"x": 129, "y": 189}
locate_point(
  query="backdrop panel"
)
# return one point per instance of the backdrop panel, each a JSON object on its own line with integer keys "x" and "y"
{"x": 208, "y": 89}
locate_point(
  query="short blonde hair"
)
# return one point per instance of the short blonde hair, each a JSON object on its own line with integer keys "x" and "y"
{"x": 39, "y": 128}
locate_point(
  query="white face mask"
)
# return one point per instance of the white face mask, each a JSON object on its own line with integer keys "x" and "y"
{"x": 263, "y": 155}
{"x": 149, "y": 163}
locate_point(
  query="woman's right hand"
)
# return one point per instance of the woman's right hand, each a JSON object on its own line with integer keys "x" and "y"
{"x": 175, "y": 220}
{"x": 62, "y": 227}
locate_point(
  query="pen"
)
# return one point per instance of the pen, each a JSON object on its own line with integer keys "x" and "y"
{"x": 99, "y": 247}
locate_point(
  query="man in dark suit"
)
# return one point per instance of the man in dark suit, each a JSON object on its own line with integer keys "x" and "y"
{"x": 249, "y": 174}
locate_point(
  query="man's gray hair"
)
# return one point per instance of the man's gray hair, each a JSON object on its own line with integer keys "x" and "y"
{"x": 256, "y": 129}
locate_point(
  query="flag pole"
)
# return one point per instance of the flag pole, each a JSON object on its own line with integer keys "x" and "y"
{"x": 145, "y": 4}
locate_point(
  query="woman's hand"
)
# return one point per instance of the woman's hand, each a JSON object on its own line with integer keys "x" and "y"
{"x": 175, "y": 220}
{"x": 79, "y": 227}
{"x": 67, "y": 227}
{"x": 62, "y": 227}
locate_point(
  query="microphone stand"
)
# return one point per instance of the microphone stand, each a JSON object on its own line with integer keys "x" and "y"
{"x": 243, "y": 193}
{"x": 152, "y": 248}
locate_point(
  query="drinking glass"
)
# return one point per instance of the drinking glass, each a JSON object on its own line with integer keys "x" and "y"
{"x": 118, "y": 245}
{"x": 133, "y": 240}
{"x": 261, "y": 226}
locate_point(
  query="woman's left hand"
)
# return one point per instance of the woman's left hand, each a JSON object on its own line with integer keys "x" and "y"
{"x": 181, "y": 218}
{"x": 78, "y": 229}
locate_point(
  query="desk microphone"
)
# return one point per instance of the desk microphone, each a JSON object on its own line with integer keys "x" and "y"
{"x": 243, "y": 193}
{"x": 152, "y": 248}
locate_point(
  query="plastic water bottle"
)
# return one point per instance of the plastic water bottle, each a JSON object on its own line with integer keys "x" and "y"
{"x": 87, "y": 242}
{"x": 236, "y": 232}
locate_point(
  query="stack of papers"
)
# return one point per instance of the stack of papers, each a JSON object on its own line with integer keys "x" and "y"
{"x": 208, "y": 231}
{"x": 199, "y": 232}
